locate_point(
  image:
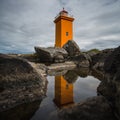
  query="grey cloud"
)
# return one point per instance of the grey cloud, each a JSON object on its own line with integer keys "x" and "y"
{"x": 63, "y": 2}
{"x": 108, "y": 18}
{"x": 6, "y": 26}
{"x": 109, "y": 2}
{"x": 102, "y": 44}
{"x": 27, "y": 23}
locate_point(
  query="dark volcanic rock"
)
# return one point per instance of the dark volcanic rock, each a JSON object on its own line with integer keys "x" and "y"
{"x": 72, "y": 48}
{"x": 21, "y": 112}
{"x": 96, "y": 108}
{"x": 51, "y": 54}
{"x": 97, "y": 74}
{"x": 111, "y": 90}
{"x": 110, "y": 87}
{"x": 107, "y": 89}
{"x": 112, "y": 63}
{"x": 82, "y": 60}
{"x": 19, "y": 82}
{"x": 99, "y": 59}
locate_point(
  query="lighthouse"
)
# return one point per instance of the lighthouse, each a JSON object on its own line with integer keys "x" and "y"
{"x": 63, "y": 28}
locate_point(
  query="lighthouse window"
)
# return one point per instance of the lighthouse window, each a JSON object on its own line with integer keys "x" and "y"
{"x": 66, "y": 33}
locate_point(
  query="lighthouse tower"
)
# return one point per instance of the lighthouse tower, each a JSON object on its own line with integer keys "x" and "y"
{"x": 63, "y": 28}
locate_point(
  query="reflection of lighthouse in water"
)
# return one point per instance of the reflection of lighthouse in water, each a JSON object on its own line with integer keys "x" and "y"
{"x": 63, "y": 92}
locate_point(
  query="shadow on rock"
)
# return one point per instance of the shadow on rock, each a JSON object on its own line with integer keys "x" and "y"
{"x": 95, "y": 108}
{"x": 21, "y": 112}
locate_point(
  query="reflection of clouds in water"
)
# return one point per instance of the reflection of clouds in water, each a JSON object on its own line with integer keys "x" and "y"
{"x": 85, "y": 87}
{"x": 50, "y": 87}
{"x": 47, "y": 108}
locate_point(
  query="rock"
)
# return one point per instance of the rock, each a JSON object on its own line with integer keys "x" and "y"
{"x": 111, "y": 91}
{"x": 72, "y": 48}
{"x": 92, "y": 53}
{"x": 99, "y": 59}
{"x": 61, "y": 66}
{"x": 21, "y": 112}
{"x": 71, "y": 76}
{"x": 82, "y": 72}
{"x": 97, "y": 74}
{"x": 107, "y": 89}
{"x": 51, "y": 54}
{"x": 13, "y": 65}
{"x": 112, "y": 62}
{"x": 59, "y": 59}
{"x": 56, "y": 72}
{"x": 82, "y": 60}
{"x": 30, "y": 57}
{"x": 40, "y": 68}
{"x": 110, "y": 87}
{"x": 19, "y": 82}
{"x": 95, "y": 108}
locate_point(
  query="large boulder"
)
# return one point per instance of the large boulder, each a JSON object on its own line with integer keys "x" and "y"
{"x": 51, "y": 54}
{"x": 110, "y": 87}
{"x": 72, "y": 48}
{"x": 95, "y": 108}
{"x": 19, "y": 82}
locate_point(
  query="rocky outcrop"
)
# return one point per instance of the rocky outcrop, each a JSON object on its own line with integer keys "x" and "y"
{"x": 97, "y": 74}
{"x": 51, "y": 54}
{"x": 30, "y": 57}
{"x": 95, "y": 108}
{"x": 19, "y": 82}
{"x": 110, "y": 87}
{"x": 72, "y": 48}
{"x": 21, "y": 112}
{"x": 61, "y": 66}
{"x": 82, "y": 60}
{"x": 40, "y": 68}
{"x": 56, "y": 54}
{"x": 112, "y": 63}
{"x": 111, "y": 91}
{"x": 97, "y": 60}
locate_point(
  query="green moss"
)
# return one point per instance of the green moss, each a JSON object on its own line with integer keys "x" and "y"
{"x": 94, "y": 50}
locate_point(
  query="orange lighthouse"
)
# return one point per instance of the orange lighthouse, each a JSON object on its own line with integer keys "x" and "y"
{"x": 63, "y": 28}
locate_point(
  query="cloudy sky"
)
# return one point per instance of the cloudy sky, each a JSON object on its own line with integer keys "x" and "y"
{"x": 28, "y": 23}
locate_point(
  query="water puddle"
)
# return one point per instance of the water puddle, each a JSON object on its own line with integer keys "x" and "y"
{"x": 65, "y": 88}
